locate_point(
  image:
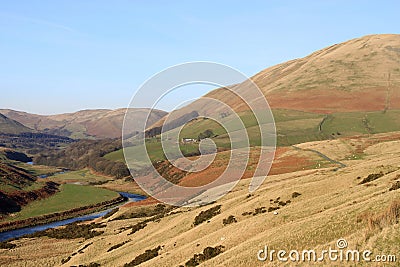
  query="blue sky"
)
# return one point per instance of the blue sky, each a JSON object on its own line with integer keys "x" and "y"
{"x": 63, "y": 56}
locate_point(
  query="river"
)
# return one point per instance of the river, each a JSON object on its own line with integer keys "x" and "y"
{"x": 30, "y": 230}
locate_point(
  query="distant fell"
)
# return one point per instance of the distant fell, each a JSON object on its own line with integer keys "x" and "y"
{"x": 9, "y": 126}
{"x": 97, "y": 123}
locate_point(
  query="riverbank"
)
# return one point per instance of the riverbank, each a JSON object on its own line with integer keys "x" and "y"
{"x": 58, "y": 216}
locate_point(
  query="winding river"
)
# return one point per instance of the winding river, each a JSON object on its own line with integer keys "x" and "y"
{"x": 30, "y": 230}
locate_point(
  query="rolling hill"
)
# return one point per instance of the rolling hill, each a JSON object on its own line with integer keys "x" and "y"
{"x": 99, "y": 123}
{"x": 362, "y": 74}
{"x": 9, "y": 126}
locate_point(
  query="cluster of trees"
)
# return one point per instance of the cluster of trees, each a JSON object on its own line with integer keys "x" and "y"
{"x": 206, "y": 134}
{"x": 33, "y": 143}
{"x": 87, "y": 154}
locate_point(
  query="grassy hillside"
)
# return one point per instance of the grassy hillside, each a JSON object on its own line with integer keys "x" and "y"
{"x": 293, "y": 127}
{"x": 9, "y": 126}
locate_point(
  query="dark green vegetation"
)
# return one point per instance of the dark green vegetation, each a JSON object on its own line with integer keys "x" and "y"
{"x": 34, "y": 143}
{"x": 142, "y": 212}
{"x": 117, "y": 245}
{"x": 255, "y": 212}
{"x": 229, "y": 220}
{"x": 208, "y": 253}
{"x": 395, "y": 186}
{"x": 372, "y": 177}
{"x": 7, "y": 245}
{"x": 275, "y": 204}
{"x": 71, "y": 231}
{"x": 145, "y": 256}
{"x": 137, "y": 227}
{"x": 111, "y": 213}
{"x": 206, "y": 215}
{"x": 87, "y": 154}
{"x": 152, "y": 214}
{"x": 81, "y": 250}
{"x": 16, "y": 156}
{"x": 295, "y": 194}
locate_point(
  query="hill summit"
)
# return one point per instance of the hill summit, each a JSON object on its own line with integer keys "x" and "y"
{"x": 362, "y": 74}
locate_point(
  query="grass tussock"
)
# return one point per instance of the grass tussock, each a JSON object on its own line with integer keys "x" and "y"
{"x": 229, "y": 220}
{"x": 206, "y": 215}
{"x": 118, "y": 245}
{"x": 147, "y": 255}
{"x": 395, "y": 186}
{"x": 208, "y": 253}
{"x": 7, "y": 245}
{"x": 372, "y": 177}
{"x": 137, "y": 227}
{"x": 143, "y": 212}
{"x": 383, "y": 219}
{"x": 295, "y": 194}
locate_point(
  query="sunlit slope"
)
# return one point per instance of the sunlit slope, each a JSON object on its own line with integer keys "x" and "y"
{"x": 314, "y": 209}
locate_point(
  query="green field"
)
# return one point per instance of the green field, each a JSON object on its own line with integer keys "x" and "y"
{"x": 155, "y": 152}
{"x": 70, "y": 197}
{"x": 352, "y": 123}
{"x": 37, "y": 170}
{"x": 82, "y": 176}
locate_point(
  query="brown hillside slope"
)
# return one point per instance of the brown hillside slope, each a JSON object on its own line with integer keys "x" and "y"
{"x": 99, "y": 123}
{"x": 9, "y": 126}
{"x": 362, "y": 74}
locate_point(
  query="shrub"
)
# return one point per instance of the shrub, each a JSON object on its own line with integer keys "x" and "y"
{"x": 273, "y": 208}
{"x": 117, "y": 245}
{"x": 63, "y": 261}
{"x": 147, "y": 255}
{"x": 295, "y": 194}
{"x": 229, "y": 220}
{"x": 282, "y": 203}
{"x": 137, "y": 227}
{"x": 372, "y": 177}
{"x": 71, "y": 231}
{"x": 208, "y": 253}
{"x": 207, "y": 214}
{"x": 146, "y": 212}
{"x": 259, "y": 210}
{"x": 395, "y": 186}
{"x": 111, "y": 213}
{"x": 7, "y": 245}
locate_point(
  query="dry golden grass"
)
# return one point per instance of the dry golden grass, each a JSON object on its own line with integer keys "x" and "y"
{"x": 383, "y": 219}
